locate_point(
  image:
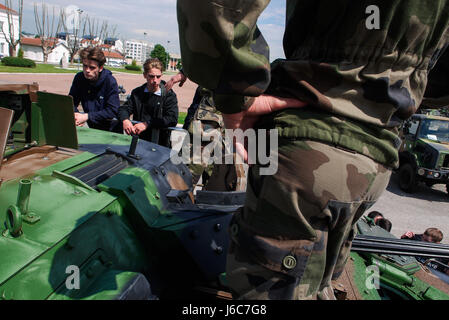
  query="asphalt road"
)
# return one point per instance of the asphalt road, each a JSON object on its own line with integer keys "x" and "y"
{"x": 427, "y": 207}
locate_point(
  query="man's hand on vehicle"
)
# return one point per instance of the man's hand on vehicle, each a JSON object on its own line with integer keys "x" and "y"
{"x": 81, "y": 118}
{"x": 140, "y": 127}
{"x": 128, "y": 127}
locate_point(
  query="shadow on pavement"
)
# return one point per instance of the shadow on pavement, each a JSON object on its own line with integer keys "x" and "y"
{"x": 423, "y": 192}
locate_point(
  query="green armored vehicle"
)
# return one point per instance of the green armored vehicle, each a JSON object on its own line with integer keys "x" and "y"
{"x": 424, "y": 154}
{"x": 89, "y": 214}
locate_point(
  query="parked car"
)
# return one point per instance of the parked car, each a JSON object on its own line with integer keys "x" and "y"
{"x": 114, "y": 64}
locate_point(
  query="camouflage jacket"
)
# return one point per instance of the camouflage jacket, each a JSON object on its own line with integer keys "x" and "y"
{"x": 437, "y": 90}
{"x": 360, "y": 78}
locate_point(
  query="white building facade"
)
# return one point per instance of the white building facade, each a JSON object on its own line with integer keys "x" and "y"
{"x": 173, "y": 63}
{"x": 32, "y": 50}
{"x": 4, "y": 24}
{"x": 138, "y": 50}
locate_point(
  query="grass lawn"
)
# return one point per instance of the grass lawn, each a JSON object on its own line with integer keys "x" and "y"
{"x": 123, "y": 70}
{"x": 40, "y": 68}
{"x": 182, "y": 117}
{"x": 169, "y": 73}
{"x": 50, "y": 68}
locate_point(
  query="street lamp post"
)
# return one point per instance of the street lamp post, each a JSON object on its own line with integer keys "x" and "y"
{"x": 168, "y": 56}
{"x": 145, "y": 45}
{"x": 79, "y": 11}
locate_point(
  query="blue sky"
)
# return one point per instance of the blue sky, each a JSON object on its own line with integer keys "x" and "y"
{"x": 158, "y": 19}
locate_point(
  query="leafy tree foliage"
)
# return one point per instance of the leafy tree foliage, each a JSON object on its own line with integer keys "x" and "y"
{"x": 160, "y": 53}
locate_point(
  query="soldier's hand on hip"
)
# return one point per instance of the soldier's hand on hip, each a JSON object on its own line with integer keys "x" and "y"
{"x": 262, "y": 105}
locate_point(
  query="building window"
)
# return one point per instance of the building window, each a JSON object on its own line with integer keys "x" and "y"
{"x": 2, "y": 47}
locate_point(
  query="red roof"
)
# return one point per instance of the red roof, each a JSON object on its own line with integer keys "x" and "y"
{"x": 115, "y": 55}
{"x": 36, "y": 42}
{"x": 93, "y": 42}
{"x": 2, "y": 7}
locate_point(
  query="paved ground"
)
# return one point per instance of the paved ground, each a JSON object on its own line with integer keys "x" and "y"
{"x": 425, "y": 208}
{"x": 60, "y": 83}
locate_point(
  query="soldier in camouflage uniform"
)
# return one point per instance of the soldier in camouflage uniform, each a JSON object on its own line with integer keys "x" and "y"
{"x": 205, "y": 118}
{"x": 356, "y": 81}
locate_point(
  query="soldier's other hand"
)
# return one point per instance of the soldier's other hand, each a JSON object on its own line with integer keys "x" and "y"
{"x": 128, "y": 127}
{"x": 180, "y": 77}
{"x": 80, "y": 118}
{"x": 262, "y": 105}
{"x": 140, "y": 127}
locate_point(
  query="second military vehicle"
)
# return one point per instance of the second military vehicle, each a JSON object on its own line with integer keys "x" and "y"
{"x": 424, "y": 154}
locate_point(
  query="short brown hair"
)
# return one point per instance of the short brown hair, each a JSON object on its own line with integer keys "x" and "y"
{"x": 93, "y": 53}
{"x": 435, "y": 234}
{"x": 152, "y": 63}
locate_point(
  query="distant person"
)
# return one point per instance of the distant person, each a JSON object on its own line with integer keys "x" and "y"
{"x": 380, "y": 220}
{"x": 152, "y": 105}
{"x": 432, "y": 235}
{"x": 375, "y": 215}
{"x": 384, "y": 224}
{"x": 193, "y": 108}
{"x": 97, "y": 90}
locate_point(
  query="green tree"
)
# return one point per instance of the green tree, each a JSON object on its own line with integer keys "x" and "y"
{"x": 160, "y": 53}
{"x": 179, "y": 65}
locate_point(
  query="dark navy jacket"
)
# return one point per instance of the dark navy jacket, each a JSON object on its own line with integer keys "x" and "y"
{"x": 99, "y": 99}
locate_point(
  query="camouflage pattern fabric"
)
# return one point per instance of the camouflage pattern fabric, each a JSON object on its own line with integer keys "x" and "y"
{"x": 437, "y": 90}
{"x": 294, "y": 234}
{"x": 205, "y": 119}
{"x": 369, "y": 79}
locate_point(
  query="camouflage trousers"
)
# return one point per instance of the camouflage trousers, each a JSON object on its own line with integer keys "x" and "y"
{"x": 294, "y": 234}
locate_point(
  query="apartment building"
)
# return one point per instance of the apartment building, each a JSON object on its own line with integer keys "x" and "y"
{"x": 138, "y": 50}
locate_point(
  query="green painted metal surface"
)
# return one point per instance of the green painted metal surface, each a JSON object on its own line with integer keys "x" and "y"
{"x": 54, "y": 120}
{"x": 105, "y": 249}
{"x": 396, "y": 272}
{"x": 89, "y": 136}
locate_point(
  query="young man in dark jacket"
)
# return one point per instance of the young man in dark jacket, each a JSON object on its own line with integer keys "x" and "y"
{"x": 97, "y": 91}
{"x": 152, "y": 105}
